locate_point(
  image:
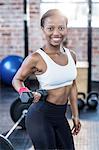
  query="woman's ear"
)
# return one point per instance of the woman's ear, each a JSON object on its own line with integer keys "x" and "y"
{"x": 42, "y": 32}
{"x": 42, "y": 28}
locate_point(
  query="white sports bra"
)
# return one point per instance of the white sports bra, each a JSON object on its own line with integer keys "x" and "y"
{"x": 56, "y": 75}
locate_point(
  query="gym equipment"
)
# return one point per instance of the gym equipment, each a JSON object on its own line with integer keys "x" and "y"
{"x": 5, "y": 144}
{"x": 92, "y": 100}
{"x": 9, "y": 66}
{"x": 26, "y": 97}
{"x": 16, "y": 111}
{"x": 22, "y": 103}
{"x": 81, "y": 100}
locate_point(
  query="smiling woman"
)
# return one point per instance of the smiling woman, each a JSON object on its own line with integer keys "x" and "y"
{"x": 55, "y": 69}
{"x": 56, "y": 30}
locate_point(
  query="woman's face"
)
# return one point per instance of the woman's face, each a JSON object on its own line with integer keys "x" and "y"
{"x": 55, "y": 29}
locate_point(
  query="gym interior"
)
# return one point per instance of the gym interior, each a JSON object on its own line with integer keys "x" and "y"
{"x": 20, "y": 35}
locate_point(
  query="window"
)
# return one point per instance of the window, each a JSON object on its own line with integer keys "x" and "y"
{"x": 95, "y": 15}
{"x": 75, "y": 10}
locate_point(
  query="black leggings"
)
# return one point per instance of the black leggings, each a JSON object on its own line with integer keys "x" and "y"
{"x": 48, "y": 127}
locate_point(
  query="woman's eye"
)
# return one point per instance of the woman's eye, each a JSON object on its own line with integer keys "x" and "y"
{"x": 50, "y": 29}
{"x": 61, "y": 28}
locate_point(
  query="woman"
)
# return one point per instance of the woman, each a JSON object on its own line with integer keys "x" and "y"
{"x": 54, "y": 67}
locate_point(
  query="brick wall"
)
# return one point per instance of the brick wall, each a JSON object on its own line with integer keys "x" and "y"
{"x": 77, "y": 40}
{"x": 35, "y": 38}
{"x": 11, "y": 27}
{"x": 95, "y": 55}
{"x": 12, "y": 33}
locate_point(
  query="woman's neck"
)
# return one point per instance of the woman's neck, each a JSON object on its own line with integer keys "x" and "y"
{"x": 52, "y": 49}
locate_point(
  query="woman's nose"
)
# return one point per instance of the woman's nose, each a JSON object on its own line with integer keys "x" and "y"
{"x": 56, "y": 32}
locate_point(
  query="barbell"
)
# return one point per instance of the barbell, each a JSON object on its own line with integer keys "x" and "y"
{"x": 18, "y": 112}
{"x": 5, "y": 144}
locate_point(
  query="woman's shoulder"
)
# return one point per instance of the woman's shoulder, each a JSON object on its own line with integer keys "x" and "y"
{"x": 73, "y": 53}
{"x": 35, "y": 55}
{"x": 32, "y": 58}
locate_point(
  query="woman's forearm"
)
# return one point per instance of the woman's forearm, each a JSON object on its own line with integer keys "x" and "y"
{"x": 18, "y": 80}
{"x": 73, "y": 100}
{"x": 74, "y": 109}
{"x": 17, "y": 84}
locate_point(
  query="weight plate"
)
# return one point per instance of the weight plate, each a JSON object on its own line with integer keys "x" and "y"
{"x": 16, "y": 110}
{"x": 5, "y": 144}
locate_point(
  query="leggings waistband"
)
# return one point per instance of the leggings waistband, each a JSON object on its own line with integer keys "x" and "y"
{"x": 50, "y": 108}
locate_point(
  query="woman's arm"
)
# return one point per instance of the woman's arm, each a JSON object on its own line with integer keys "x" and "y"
{"x": 74, "y": 105}
{"x": 73, "y": 100}
{"x": 74, "y": 92}
{"x": 74, "y": 108}
{"x": 26, "y": 69}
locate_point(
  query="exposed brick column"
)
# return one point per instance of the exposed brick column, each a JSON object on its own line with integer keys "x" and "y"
{"x": 35, "y": 37}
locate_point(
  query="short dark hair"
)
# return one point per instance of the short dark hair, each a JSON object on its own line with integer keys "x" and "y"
{"x": 49, "y": 13}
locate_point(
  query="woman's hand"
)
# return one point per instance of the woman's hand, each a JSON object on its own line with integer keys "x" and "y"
{"x": 77, "y": 125}
{"x": 37, "y": 96}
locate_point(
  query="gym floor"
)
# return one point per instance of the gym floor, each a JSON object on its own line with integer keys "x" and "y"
{"x": 88, "y": 138}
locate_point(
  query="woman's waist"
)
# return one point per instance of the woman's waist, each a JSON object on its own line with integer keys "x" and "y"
{"x": 50, "y": 109}
{"x": 59, "y": 96}
{"x": 57, "y": 101}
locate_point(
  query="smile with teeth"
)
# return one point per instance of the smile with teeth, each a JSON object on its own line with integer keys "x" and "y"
{"x": 56, "y": 39}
